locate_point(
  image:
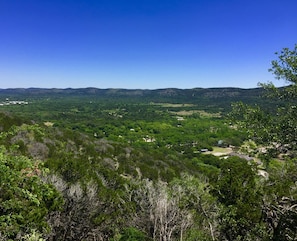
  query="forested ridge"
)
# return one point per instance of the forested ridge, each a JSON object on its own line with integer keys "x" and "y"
{"x": 204, "y": 98}
{"x": 199, "y": 164}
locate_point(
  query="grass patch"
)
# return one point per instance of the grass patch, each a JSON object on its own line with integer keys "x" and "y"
{"x": 219, "y": 151}
{"x": 202, "y": 113}
{"x": 170, "y": 105}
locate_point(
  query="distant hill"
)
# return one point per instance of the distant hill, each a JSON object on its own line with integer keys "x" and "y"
{"x": 167, "y": 92}
{"x": 212, "y": 98}
{"x": 170, "y": 93}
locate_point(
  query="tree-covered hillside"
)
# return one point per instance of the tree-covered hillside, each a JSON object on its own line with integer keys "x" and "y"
{"x": 126, "y": 165}
{"x": 211, "y": 99}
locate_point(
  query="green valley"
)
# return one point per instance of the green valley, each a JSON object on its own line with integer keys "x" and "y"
{"x": 91, "y": 164}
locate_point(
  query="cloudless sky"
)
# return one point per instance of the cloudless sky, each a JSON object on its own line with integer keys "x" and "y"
{"x": 145, "y": 44}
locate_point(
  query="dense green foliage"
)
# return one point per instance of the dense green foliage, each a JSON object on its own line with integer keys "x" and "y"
{"x": 275, "y": 127}
{"x": 25, "y": 199}
{"x": 274, "y": 131}
{"x": 237, "y": 190}
{"x": 122, "y": 165}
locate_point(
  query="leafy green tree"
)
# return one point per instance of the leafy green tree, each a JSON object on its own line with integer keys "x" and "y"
{"x": 133, "y": 234}
{"x": 237, "y": 191}
{"x": 285, "y": 67}
{"x": 274, "y": 128}
{"x": 25, "y": 200}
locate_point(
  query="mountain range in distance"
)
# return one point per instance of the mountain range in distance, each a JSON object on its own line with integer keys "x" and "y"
{"x": 118, "y": 92}
{"x": 216, "y": 99}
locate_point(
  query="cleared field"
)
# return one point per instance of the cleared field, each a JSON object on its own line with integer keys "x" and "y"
{"x": 220, "y": 151}
{"x": 167, "y": 105}
{"x": 199, "y": 112}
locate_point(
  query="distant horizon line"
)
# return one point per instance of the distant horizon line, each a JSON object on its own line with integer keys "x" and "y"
{"x": 115, "y": 88}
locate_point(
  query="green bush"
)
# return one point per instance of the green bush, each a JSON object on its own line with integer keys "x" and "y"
{"x": 133, "y": 234}
{"x": 25, "y": 199}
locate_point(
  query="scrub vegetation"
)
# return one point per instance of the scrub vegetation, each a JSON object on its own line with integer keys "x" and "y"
{"x": 127, "y": 165}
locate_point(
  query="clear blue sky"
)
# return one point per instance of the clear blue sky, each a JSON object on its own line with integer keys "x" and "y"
{"x": 145, "y": 44}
